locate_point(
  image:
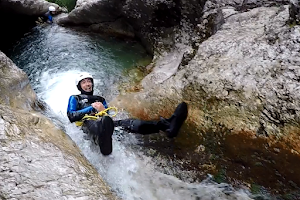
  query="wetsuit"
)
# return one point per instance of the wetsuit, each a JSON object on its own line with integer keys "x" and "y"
{"x": 79, "y": 105}
{"x": 48, "y": 17}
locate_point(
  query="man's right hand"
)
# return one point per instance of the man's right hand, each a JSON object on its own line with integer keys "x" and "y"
{"x": 98, "y": 106}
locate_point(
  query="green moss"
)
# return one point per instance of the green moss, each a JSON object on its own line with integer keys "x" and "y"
{"x": 255, "y": 189}
{"x": 220, "y": 177}
{"x": 292, "y": 24}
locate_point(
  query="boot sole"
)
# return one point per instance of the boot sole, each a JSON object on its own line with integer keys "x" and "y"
{"x": 105, "y": 135}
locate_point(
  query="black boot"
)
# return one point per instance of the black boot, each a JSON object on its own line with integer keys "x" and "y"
{"x": 176, "y": 120}
{"x": 163, "y": 124}
{"x": 101, "y": 133}
{"x": 104, "y": 138}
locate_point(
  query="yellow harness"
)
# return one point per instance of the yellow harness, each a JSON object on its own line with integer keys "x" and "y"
{"x": 96, "y": 116}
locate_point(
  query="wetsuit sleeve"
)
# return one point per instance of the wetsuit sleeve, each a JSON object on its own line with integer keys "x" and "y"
{"x": 74, "y": 114}
{"x": 104, "y": 104}
{"x": 50, "y": 18}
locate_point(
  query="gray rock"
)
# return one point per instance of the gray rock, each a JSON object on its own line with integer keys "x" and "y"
{"x": 38, "y": 161}
{"x": 166, "y": 67}
{"x": 14, "y": 87}
{"x": 245, "y": 76}
{"x": 158, "y": 23}
{"x": 153, "y": 22}
{"x": 92, "y": 12}
{"x": 245, "y": 4}
{"x": 251, "y": 60}
{"x": 118, "y": 28}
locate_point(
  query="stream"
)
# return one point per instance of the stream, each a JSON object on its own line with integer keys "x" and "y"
{"x": 52, "y": 56}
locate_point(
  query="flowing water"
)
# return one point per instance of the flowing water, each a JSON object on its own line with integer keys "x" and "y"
{"x": 52, "y": 56}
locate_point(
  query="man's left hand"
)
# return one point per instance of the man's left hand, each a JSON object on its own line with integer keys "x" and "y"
{"x": 98, "y": 106}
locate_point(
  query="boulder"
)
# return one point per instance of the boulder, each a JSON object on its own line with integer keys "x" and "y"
{"x": 153, "y": 23}
{"x": 39, "y": 161}
{"x": 15, "y": 87}
{"x": 118, "y": 28}
{"x": 92, "y": 12}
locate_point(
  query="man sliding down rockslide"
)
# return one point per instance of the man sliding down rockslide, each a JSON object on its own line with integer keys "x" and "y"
{"x": 102, "y": 129}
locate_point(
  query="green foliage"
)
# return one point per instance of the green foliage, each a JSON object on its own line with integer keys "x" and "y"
{"x": 292, "y": 24}
{"x": 69, "y": 4}
{"x": 255, "y": 189}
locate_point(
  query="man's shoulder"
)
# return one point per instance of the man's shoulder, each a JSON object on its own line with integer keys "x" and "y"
{"x": 75, "y": 96}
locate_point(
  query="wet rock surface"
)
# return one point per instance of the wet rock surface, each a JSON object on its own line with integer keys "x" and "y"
{"x": 243, "y": 78}
{"x": 15, "y": 87}
{"x": 38, "y": 161}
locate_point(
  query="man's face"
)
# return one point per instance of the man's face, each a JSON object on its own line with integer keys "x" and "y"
{"x": 87, "y": 85}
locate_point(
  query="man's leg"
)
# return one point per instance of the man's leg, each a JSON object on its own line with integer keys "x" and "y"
{"x": 141, "y": 126}
{"x": 171, "y": 126}
{"x": 101, "y": 131}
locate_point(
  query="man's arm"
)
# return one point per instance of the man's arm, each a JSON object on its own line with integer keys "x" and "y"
{"x": 104, "y": 104}
{"x": 74, "y": 114}
{"x": 50, "y": 18}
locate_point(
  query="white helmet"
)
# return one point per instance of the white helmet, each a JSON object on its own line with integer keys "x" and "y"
{"x": 82, "y": 76}
{"x": 51, "y": 8}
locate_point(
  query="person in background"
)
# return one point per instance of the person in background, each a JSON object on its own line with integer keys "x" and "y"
{"x": 48, "y": 16}
{"x": 102, "y": 129}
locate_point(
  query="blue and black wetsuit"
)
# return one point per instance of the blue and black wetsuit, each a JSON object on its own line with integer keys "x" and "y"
{"x": 48, "y": 17}
{"x": 80, "y": 105}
